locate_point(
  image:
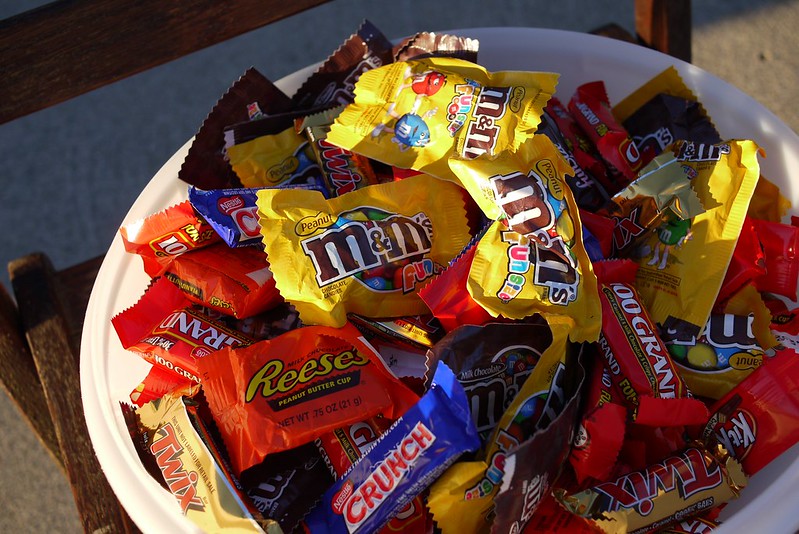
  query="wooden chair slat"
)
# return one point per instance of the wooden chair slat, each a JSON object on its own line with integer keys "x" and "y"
{"x": 665, "y": 25}
{"x": 67, "y": 48}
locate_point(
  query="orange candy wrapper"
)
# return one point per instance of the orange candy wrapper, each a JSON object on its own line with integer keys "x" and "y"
{"x": 367, "y": 252}
{"x": 163, "y": 236}
{"x": 285, "y": 392}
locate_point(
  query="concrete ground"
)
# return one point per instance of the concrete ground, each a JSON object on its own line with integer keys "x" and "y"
{"x": 70, "y": 173}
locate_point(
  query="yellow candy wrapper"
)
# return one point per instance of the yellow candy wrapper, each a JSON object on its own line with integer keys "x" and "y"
{"x": 366, "y": 252}
{"x": 546, "y": 268}
{"x": 683, "y": 262}
{"x": 417, "y": 114}
{"x": 462, "y": 499}
{"x": 269, "y": 160}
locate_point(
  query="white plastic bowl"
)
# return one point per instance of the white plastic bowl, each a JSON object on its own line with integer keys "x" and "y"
{"x": 109, "y": 373}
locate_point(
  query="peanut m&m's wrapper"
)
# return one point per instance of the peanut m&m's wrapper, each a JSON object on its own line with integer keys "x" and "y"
{"x": 367, "y": 252}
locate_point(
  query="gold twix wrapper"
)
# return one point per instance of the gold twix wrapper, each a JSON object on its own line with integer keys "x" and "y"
{"x": 206, "y": 495}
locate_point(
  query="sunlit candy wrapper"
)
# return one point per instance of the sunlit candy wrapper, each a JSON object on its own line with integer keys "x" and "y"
{"x": 683, "y": 263}
{"x": 428, "y": 438}
{"x": 664, "y": 110}
{"x": 417, "y": 114}
{"x": 637, "y": 358}
{"x": 237, "y": 281}
{"x": 205, "y": 165}
{"x": 590, "y": 107}
{"x": 526, "y": 188}
{"x": 342, "y": 170}
{"x": 193, "y": 471}
{"x": 580, "y": 146}
{"x": 161, "y": 237}
{"x": 784, "y": 324}
{"x": 286, "y": 489}
{"x": 159, "y": 382}
{"x": 587, "y": 192}
{"x": 447, "y": 297}
{"x": 491, "y": 362}
{"x": 597, "y": 235}
{"x": 283, "y": 158}
{"x": 693, "y": 525}
{"x": 420, "y": 330}
{"x": 462, "y": 500}
{"x": 286, "y": 391}
{"x": 165, "y": 330}
{"x": 669, "y": 491}
{"x": 768, "y": 203}
{"x": 747, "y": 264}
{"x": 367, "y": 252}
{"x": 661, "y": 195}
{"x": 532, "y": 469}
{"x": 725, "y": 353}
{"x": 759, "y": 419}
{"x": 333, "y": 83}
{"x": 232, "y": 213}
{"x": 431, "y": 44}
{"x": 780, "y": 244}
{"x": 513, "y": 276}
{"x": 345, "y": 446}
{"x": 600, "y": 434}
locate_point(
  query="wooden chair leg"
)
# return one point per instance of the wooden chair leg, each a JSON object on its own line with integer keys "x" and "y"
{"x": 665, "y": 25}
{"x": 19, "y": 378}
{"x": 43, "y": 309}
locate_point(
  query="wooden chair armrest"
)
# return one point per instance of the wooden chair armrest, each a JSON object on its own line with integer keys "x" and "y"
{"x": 45, "y": 312}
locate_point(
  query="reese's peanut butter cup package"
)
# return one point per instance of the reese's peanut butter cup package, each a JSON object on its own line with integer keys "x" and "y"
{"x": 685, "y": 484}
{"x": 417, "y": 114}
{"x": 165, "y": 235}
{"x": 683, "y": 263}
{"x": 192, "y": 471}
{"x": 462, "y": 499}
{"x": 205, "y": 165}
{"x": 404, "y": 461}
{"x": 367, "y": 252}
{"x": 165, "y": 330}
{"x": 288, "y": 390}
{"x": 514, "y": 276}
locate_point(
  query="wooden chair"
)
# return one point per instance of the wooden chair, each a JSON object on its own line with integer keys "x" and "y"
{"x": 43, "y": 64}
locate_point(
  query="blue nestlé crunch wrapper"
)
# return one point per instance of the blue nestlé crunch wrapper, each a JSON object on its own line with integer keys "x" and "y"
{"x": 417, "y": 448}
{"x": 233, "y": 213}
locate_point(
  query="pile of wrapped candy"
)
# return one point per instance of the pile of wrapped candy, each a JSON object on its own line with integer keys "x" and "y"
{"x": 421, "y": 296}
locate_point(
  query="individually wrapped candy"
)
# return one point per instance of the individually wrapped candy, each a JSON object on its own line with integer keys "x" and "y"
{"x": 417, "y": 114}
{"x": 367, "y": 252}
{"x": 161, "y": 237}
{"x": 286, "y": 391}
{"x": 165, "y": 330}
{"x": 420, "y": 445}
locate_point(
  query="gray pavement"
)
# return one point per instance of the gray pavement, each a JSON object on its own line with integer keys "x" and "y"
{"x": 70, "y": 173}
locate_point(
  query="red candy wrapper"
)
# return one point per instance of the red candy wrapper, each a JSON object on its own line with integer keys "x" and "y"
{"x": 759, "y": 419}
{"x": 780, "y": 244}
{"x": 281, "y": 393}
{"x": 591, "y": 108}
{"x": 236, "y": 282}
{"x": 637, "y": 358}
{"x": 163, "y": 236}
{"x": 747, "y": 264}
{"x": 159, "y": 382}
{"x": 166, "y": 331}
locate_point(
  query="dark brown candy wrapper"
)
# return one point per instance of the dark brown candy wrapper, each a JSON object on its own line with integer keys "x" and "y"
{"x": 429, "y": 44}
{"x": 532, "y": 469}
{"x": 491, "y": 362}
{"x": 667, "y": 118}
{"x": 333, "y": 83}
{"x": 205, "y": 165}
